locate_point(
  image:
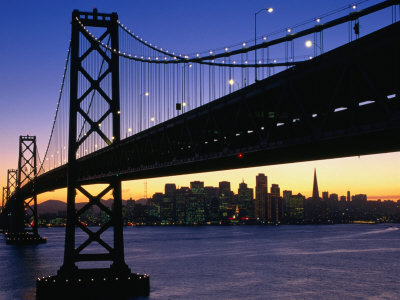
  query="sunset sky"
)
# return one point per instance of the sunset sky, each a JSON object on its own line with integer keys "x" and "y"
{"x": 35, "y": 37}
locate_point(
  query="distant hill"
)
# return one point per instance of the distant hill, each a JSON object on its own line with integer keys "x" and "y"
{"x": 51, "y": 207}
{"x": 142, "y": 201}
{"x": 55, "y": 206}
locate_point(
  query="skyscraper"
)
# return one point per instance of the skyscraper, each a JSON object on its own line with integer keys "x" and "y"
{"x": 225, "y": 199}
{"x": 275, "y": 190}
{"x": 261, "y": 195}
{"x": 295, "y": 209}
{"x": 325, "y": 196}
{"x": 197, "y": 187}
{"x": 170, "y": 190}
{"x": 315, "y": 192}
{"x": 224, "y": 187}
{"x": 274, "y": 207}
{"x": 245, "y": 200}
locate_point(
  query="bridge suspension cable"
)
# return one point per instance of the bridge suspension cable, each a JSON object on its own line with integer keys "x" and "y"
{"x": 157, "y": 84}
{"x": 55, "y": 128}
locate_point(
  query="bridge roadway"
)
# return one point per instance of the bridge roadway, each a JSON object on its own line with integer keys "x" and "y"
{"x": 315, "y": 110}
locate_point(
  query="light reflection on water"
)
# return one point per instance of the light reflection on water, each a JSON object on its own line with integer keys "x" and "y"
{"x": 238, "y": 262}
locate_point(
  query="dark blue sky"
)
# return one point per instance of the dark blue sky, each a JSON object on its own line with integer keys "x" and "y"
{"x": 35, "y": 37}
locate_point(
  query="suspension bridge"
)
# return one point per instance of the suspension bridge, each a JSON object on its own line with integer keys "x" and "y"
{"x": 129, "y": 109}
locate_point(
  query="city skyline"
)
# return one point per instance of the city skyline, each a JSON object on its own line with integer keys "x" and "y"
{"x": 153, "y": 186}
{"x": 40, "y": 70}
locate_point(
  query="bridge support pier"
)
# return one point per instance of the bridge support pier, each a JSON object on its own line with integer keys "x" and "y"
{"x": 94, "y": 283}
{"x": 72, "y": 281}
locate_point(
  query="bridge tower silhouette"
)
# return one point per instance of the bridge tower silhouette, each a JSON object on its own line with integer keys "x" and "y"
{"x": 7, "y": 191}
{"x": 11, "y": 182}
{"x": 23, "y": 222}
{"x": 3, "y": 224}
{"x": 117, "y": 279}
{"x": 4, "y": 197}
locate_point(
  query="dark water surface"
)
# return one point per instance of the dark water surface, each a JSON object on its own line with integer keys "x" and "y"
{"x": 235, "y": 262}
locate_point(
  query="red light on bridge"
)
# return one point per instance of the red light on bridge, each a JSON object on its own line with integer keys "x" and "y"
{"x": 240, "y": 155}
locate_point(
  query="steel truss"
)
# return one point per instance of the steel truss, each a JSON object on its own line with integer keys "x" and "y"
{"x": 27, "y": 171}
{"x": 74, "y": 253}
{"x": 11, "y": 182}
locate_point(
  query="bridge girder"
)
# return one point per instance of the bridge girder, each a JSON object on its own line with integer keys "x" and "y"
{"x": 304, "y": 98}
{"x": 343, "y": 103}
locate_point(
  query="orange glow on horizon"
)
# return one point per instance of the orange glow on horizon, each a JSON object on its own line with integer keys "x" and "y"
{"x": 374, "y": 175}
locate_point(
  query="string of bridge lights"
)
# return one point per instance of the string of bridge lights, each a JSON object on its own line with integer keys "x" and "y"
{"x": 265, "y": 37}
{"x": 171, "y": 57}
{"x": 210, "y": 57}
{"x": 186, "y": 60}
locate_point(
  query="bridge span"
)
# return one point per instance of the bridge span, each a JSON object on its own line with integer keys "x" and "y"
{"x": 345, "y": 102}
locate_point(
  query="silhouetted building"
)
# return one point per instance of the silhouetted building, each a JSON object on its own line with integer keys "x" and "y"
{"x": 325, "y": 196}
{"x": 197, "y": 187}
{"x": 275, "y": 190}
{"x": 224, "y": 187}
{"x": 195, "y": 209}
{"x": 315, "y": 193}
{"x": 261, "y": 195}
{"x": 225, "y": 199}
{"x": 295, "y": 209}
{"x": 348, "y": 196}
{"x": 334, "y": 197}
{"x": 360, "y": 198}
{"x": 274, "y": 206}
{"x": 180, "y": 204}
{"x": 286, "y": 197}
{"x": 168, "y": 208}
{"x": 129, "y": 210}
{"x": 245, "y": 201}
{"x": 211, "y": 205}
{"x": 170, "y": 190}
{"x": 153, "y": 208}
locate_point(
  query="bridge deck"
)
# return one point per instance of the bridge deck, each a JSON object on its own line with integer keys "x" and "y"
{"x": 315, "y": 110}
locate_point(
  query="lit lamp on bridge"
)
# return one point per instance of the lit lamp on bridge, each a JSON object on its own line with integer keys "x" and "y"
{"x": 269, "y": 10}
{"x": 309, "y": 44}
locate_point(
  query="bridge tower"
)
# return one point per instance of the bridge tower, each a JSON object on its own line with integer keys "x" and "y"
{"x": 117, "y": 279}
{"x": 10, "y": 189}
{"x": 4, "y": 197}
{"x": 3, "y": 224}
{"x": 11, "y": 182}
{"x": 23, "y": 227}
{"x": 7, "y": 192}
